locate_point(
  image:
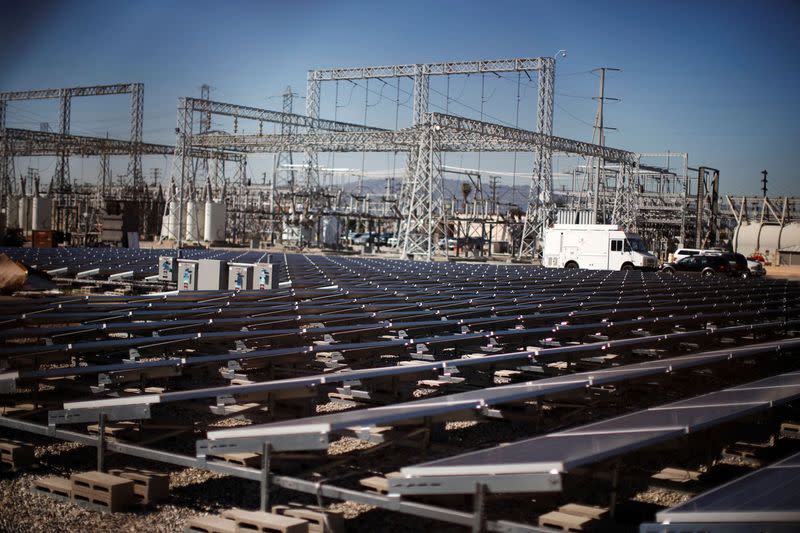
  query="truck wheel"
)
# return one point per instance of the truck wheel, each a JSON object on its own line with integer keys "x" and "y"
{"x": 707, "y": 273}
{"x": 745, "y": 275}
{"x": 627, "y": 266}
{"x": 668, "y": 270}
{"x": 571, "y": 264}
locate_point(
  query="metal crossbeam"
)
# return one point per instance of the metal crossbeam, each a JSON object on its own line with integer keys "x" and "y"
{"x": 266, "y": 115}
{"x": 94, "y": 90}
{"x": 32, "y": 143}
{"x": 455, "y": 134}
{"x": 432, "y": 69}
{"x": 530, "y": 138}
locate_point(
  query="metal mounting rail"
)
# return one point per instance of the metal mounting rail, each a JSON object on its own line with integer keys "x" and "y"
{"x": 478, "y": 403}
{"x": 308, "y": 487}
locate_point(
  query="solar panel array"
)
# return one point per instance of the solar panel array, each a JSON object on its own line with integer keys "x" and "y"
{"x": 566, "y": 450}
{"x": 373, "y": 332}
{"x": 103, "y": 263}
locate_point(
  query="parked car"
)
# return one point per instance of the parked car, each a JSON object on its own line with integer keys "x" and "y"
{"x": 351, "y": 237}
{"x": 705, "y": 265}
{"x": 393, "y": 242}
{"x": 680, "y": 253}
{"x": 383, "y": 238}
{"x": 451, "y": 243}
{"x": 756, "y": 268}
{"x": 366, "y": 238}
{"x": 738, "y": 264}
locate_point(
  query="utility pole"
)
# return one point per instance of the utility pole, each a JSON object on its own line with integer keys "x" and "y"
{"x": 764, "y": 183}
{"x": 599, "y": 134}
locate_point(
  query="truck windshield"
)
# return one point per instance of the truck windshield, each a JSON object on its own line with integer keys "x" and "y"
{"x": 635, "y": 244}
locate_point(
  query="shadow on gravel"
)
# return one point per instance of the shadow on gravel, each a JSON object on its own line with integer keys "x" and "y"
{"x": 218, "y": 493}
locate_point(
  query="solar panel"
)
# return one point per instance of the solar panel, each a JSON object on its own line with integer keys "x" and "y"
{"x": 566, "y": 450}
{"x": 771, "y": 494}
{"x": 472, "y": 400}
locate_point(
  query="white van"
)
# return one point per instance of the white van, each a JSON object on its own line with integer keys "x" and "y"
{"x": 594, "y": 247}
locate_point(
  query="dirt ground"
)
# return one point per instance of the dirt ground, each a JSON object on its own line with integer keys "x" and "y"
{"x": 786, "y": 272}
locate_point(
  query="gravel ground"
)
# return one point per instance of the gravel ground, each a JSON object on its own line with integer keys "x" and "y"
{"x": 196, "y": 492}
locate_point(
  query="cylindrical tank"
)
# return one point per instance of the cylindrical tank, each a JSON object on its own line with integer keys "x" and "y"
{"x": 172, "y": 222}
{"x": 191, "y": 222}
{"x": 41, "y": 216}
{"x": 12, "y": 212}
{"x": 165, "y": 226}
{"x": 770, "y": 239}
{"x": 790, "y": 236}
{"x": 766, "y": 239}
{"x": 24, "y": 213}
{"x": 214, "y": 227}
{"x": 330, "y": 231}
{"x": 201, "y": 220}
{"x": 746, "y": 237}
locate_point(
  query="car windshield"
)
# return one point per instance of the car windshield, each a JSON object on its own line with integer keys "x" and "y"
{"x": 636, "y": 245}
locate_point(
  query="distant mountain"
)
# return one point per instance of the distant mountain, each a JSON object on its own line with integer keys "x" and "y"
{"x": 505, "y": 194}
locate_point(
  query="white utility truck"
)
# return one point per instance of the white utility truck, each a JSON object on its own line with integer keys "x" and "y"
{"x": 594, "y": 247}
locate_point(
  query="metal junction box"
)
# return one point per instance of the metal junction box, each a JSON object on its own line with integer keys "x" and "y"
{"x": 187, "y": 274}
{"x": 167, "y": 268}
{"x": 240, "y": 276}
{"x": 265, "y": 277}
{"x": 212, "y": 275}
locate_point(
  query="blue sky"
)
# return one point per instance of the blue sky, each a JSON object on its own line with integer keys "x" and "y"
{"x": 718, "y": 80}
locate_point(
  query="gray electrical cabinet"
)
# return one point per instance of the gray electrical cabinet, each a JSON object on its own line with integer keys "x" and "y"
{"x": 264, "y": 277}
{"x": 167, "y": 268}
{"x": 212, "y": 275}
{"x": 240, "y": 276}
{"x": 187, "y": 274}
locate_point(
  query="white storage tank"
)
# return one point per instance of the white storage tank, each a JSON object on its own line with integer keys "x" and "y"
{"x": 41, "y": 213}
{"x": 331, "y": 227}
{"x": 214, "y": 227}
{"x": 24, "y": 213}
{"x": 12, "y": 212}
{"x": 165, "y": 226}
{"x": 172, "y": 221}
{"x": 751, "y": 237}
{"x": 790, "y": 236}
{"x": 192, "y": 228}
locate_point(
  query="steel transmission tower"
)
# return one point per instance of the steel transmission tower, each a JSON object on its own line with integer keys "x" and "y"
{"x": 137, "y": 123}
{"x": 418, "y": 173}
{"x": 540, "y": 202}
{"x": 283, "y": 160}
{"x": 423, "y": 198}
{"x": 626, "y": 199}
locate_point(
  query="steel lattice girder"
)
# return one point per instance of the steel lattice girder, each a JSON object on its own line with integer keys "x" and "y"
{"x": 39, "y": 143}
{"x": 266, "y": 115}
{"x": 431, "y": 69}
{"x": 456, "y": 134}
{"x": 96, "y": 90}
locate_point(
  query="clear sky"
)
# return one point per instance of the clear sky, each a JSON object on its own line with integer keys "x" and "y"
{"x": 716, "y": 79}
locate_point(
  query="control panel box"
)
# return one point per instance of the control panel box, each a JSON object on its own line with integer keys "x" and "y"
{"x": 264, "y": 277}
{"x": 240, "y": 276}
{"x": 187, "y": 274}
{"x": 167, "y": 268}
{"x": 212, "y": 275}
